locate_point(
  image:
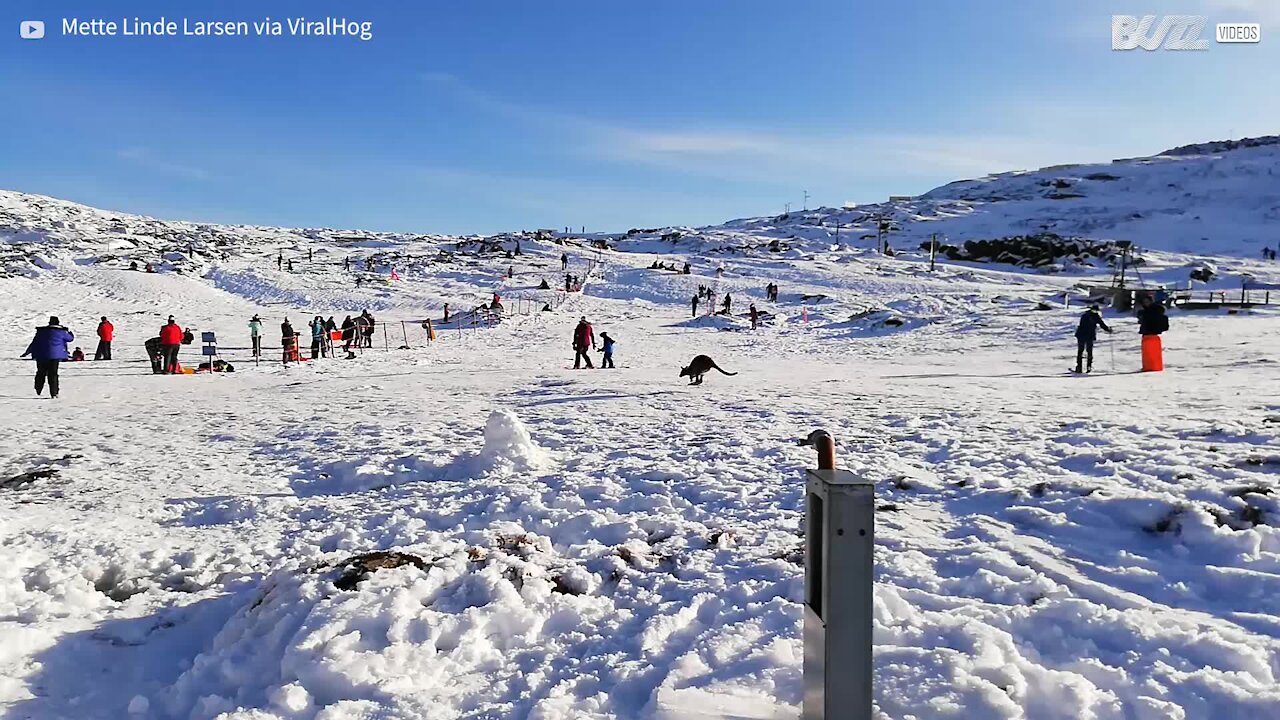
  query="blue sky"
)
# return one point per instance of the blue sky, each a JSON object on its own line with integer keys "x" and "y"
{"x": 481, "y": 116}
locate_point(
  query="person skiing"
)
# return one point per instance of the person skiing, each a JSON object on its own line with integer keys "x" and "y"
{"x": 170, "y": 342}
{"x": 1086, "y": 334}
{"x": 255, "y": 335}
{"x": 755, "y": 317}
{"x": 346, "y": 263}
{"x": 564, "y": 261}
{"x": 687, "y": 270}
{"x": 606, "y": 344}
{"x": 317, "y": 337}
{"x": 1152, "y": 322}
{"x": 288, "y": 342}
{"x": 583, "y": 339}
{"x": 311, "y": 254}
{"x": 728, "y": 304}
{"x": 152, "y": 346}
{"x": 568, "y": 286}
{"x": 696, "y": 298}
{"x": 446, "y": 312}
{"x": 289, "y": 265}
{"x": 106, "y": 331}
{"x": 49, "y": 348}
{"x": 280, "y": 261}
{"x": 329, "y": 328}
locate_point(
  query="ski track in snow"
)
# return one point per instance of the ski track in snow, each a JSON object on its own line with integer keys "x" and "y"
{"x": 607, "y": 544}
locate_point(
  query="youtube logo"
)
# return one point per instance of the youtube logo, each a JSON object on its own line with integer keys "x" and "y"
{"x": 31, "y": 29}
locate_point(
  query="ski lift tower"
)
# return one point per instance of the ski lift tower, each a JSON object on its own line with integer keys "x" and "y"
{"x": 1121, "y": 297}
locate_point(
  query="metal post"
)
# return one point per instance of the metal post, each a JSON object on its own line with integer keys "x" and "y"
{"x": 933, "y": 250}
{"x": 839, "y": 565}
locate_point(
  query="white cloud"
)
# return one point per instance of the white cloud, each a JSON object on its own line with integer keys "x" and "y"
{"x": 775, "y": 156}
{"x": 144, "y": 158}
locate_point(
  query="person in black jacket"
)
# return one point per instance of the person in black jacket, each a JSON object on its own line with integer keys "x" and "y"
{"x": 348, "y": 336}
{"x": 155, "y": 355}
{"x": 1152, "y": 319}
{"x": 1086, "y": 334}
{"x": 288, "y": 342}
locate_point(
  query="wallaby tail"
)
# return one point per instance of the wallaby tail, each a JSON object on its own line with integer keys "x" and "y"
{"x": 721, "y": 369}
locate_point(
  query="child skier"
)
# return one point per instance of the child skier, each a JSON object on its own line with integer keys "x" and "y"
{"x": 606, "y": 342}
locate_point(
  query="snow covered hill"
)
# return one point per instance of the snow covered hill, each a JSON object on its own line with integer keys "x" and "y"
{"x": 559, "y": 544}
{"x": 1215, "y": 199}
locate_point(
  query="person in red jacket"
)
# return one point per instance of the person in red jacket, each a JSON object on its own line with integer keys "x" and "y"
{"x": 170, "y": 341}
{"x": 106, "y": 331}
{"x": 584, "y": 339}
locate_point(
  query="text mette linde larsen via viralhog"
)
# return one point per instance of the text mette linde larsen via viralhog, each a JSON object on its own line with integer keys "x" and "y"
{"x": 268, "y": 27}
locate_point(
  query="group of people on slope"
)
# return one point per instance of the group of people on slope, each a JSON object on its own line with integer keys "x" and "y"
{"x": 686, "y": 270}
{"x": 726, "y": 305}
{"x": 1152, "y": 323}
{"x": 49, "y": 349}
{"x": 354, "y": 332}
{"x": 584, "y": 339}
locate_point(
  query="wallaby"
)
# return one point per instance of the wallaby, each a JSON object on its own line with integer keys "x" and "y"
{"x": 700, "y": 366}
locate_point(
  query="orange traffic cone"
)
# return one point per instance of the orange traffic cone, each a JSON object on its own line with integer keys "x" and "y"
{"x": 1152, "y": 354}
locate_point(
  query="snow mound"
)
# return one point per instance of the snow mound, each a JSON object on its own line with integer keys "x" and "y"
{"x": 715, "y": 322}
{"x": 508, "y": 446}
{"x": 443, "y": 641}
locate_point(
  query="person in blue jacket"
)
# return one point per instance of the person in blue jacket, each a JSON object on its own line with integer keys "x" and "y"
{"x": 1087, "y": 334}
{"x": 607, "y": 342}
{"x": 48, "y": 348}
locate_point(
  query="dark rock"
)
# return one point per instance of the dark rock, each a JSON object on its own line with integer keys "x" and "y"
{"x": 22, "y": 480}
{"x": 357, "y": 568}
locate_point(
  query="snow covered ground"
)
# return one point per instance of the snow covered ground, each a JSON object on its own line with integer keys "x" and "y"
{"x": 601, "y": 544}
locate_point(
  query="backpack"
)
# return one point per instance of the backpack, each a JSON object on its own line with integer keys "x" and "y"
{"x": 1163, "y": 325}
